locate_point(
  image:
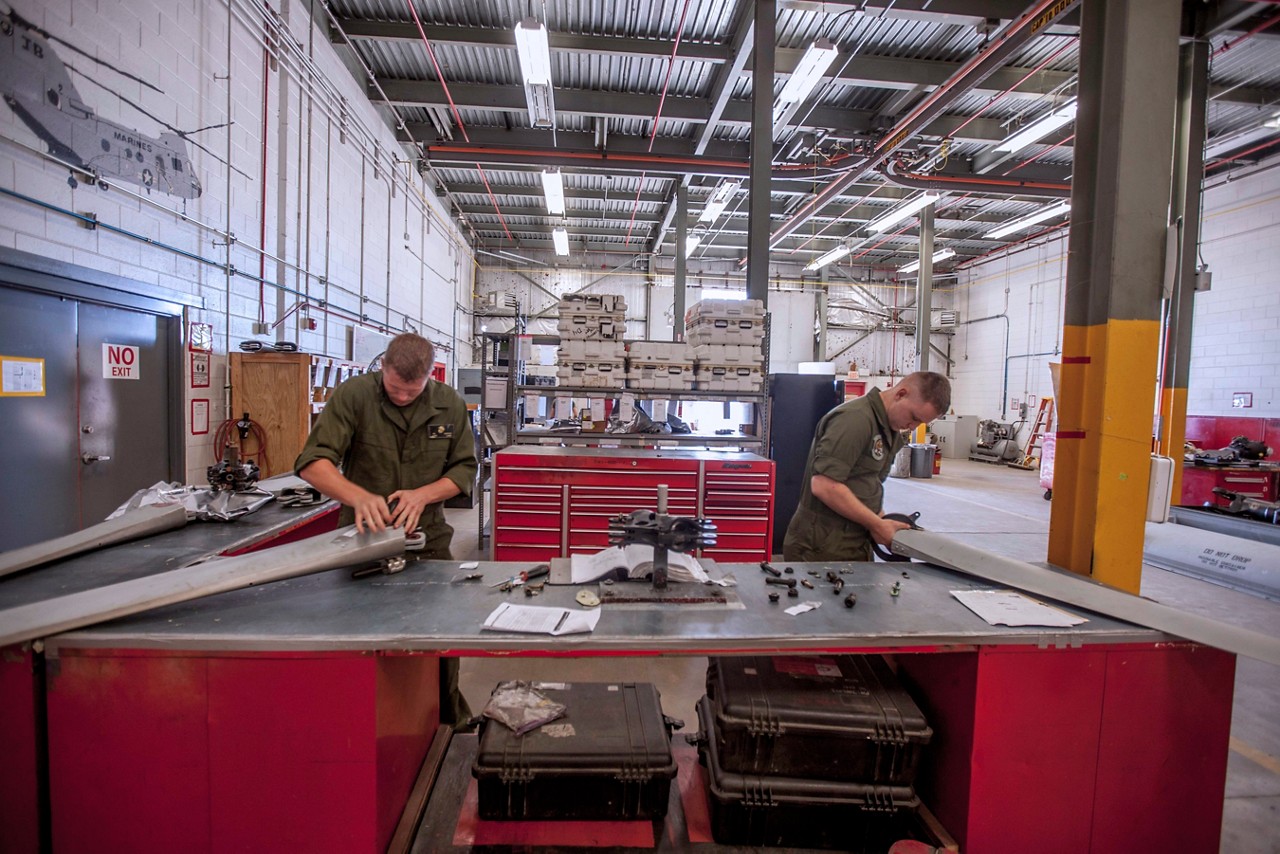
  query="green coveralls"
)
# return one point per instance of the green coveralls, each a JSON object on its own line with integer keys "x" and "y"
{"x": 853, "y": 445}
{"x": 384, "y": 448}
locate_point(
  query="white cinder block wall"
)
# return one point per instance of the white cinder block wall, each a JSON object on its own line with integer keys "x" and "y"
{"x": 357, "y": 233}
{"x": 1234, "y": 342}
{"x": 1010, "y": 328}
{"x": 1235, "y": 345}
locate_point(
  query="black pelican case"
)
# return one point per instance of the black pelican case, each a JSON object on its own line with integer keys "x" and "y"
{"x": 840, "y": 717}
{"x": 757, "y": 810}
{"x": 607, "y": 759}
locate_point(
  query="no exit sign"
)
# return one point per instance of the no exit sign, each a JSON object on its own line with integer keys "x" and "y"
{"x": 120, "y": 362}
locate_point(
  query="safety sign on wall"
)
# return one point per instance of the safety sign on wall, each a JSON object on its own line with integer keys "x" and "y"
{"x": 199, "y": 370}
{"x": 120, "y": 362}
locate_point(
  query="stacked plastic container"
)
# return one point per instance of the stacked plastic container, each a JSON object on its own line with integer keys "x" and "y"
{"x": 726, "y": 336}
{"x": 591, "y": 353}
{"x": 810, "y": 751}
{"x": 661, "y": 366}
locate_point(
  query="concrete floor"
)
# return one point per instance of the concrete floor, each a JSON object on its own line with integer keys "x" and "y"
{"x": 1002, "y": 510}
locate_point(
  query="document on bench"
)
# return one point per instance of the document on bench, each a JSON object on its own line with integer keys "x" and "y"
{"x": 541, "y": 620}
{"x": 1011, "y": 608}
{"x": 633, "y": 561}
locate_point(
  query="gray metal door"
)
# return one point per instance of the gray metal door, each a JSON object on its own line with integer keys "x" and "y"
{"x": 73, "y": 454}
{"x": 124, "y": 406}
{"x": 40, "y": 495}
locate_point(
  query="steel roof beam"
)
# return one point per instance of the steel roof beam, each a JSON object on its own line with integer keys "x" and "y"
{"x": 395, "y": 31}
{"x": 626, "y": 105}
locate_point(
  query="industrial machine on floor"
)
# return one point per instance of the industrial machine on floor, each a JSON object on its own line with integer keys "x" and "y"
{"x": 997, "y": 443}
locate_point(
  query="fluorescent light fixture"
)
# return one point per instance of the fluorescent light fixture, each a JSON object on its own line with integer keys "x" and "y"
{"x": 825, "y": 259}
{"x": 720, "y": 198}
{"x": 534, "y": 51}
{"x": 1029, "y": 220}
{"x": 809, "y": 71}
{"x": 560, "y": 238}
{"x": 693, "y": 240}
{"x": 1040, "y": 128}
{"x": 553, "y": 189}
{"x": 908, "y": 208}
{"x": 940, "y": 255}
{"x": 1224, "y": 144}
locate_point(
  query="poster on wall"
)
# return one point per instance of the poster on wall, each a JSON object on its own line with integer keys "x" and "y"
{"x": 199, "y": 370}
{"x": 21, "y": 377}
{"x": 199, "y": 416}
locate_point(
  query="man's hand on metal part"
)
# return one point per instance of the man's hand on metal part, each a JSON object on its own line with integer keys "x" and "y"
{"x": 409, "y": 506}
{"x": 885, "y": 529}
{"x": 372, "y": 512}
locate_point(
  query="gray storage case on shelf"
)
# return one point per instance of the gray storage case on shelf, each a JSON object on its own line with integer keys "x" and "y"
{"x": 840, "y": 717}
{"x": 608, "y": 758}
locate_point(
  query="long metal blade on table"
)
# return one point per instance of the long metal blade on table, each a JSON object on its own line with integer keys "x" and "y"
{"x": 1084, "y": 593}
{"x": 346, "y": 547}
{"x": 141, "y": 522}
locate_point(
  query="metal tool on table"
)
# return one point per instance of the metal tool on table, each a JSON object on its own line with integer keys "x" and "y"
{"x": 663, "y": 532}
{"x": 230, "y": 474}
{"x": 523, "y": 577}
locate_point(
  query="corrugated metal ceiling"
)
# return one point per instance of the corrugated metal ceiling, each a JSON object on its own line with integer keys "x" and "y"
{"x": 481, "y": 56}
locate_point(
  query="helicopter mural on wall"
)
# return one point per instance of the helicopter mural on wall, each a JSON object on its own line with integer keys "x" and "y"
{"x": 38, "y": 89}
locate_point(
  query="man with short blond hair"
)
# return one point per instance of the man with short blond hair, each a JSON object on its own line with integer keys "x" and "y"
{"x": 392, "y": 446}
{"x": 840, "y": 513}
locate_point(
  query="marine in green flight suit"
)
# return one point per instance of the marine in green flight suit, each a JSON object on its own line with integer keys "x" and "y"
{"x": 392, "y": 446}
{"x": 839, "y": 512}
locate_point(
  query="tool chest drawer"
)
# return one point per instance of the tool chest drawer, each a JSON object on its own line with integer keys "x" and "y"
{"x": 576, "y": 491}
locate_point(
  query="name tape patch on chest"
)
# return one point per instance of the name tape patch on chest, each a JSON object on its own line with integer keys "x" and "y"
{"x": 439, "y": 431}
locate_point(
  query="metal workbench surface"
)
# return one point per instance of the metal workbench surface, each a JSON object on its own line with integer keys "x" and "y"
{"x": 140, "y": 558}
{"x": 426, "y": 607}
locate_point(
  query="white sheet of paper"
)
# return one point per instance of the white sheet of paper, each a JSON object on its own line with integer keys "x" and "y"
{"x": 659, "y": 410}
{"x": 627, "y": 408}
{"x": 803, "y": 607}
{"x": 597, "y": 409}
{"x": 564, "y": 408}
{"x": 585, "y": 568}
{"x": 539, "y": 620}
{"x": 1011, "y": 608}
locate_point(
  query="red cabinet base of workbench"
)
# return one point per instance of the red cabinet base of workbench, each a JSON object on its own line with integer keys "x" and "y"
{"x": 1100, "y": 750}
{"x": 235, "y": 752}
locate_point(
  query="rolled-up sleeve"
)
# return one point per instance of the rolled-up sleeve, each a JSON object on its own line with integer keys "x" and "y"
{"x": 841, "y": 441}
{"x": 330, "y": 438}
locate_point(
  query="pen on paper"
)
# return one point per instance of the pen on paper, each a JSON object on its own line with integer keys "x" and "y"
{"x": 560, "y": 622}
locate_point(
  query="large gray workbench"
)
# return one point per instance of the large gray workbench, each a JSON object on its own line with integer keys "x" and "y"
{"x": 293, "y": 716}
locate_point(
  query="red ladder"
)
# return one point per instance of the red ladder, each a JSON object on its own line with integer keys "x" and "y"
{"x": 1044, "y": 417}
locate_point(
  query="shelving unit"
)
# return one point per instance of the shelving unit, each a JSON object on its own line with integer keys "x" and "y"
{"x": 283, "y": 393}
{"x": 500, "y": 424}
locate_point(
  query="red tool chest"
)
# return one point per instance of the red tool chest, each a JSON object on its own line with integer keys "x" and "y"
{"x": 554, "y": 502}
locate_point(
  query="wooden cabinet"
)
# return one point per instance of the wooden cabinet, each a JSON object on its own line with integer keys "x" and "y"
{"x": 554, "y": 502}
{"x": 282, "y": 392}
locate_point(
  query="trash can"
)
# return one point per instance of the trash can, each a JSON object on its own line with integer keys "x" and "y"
{"x": 901, "y": 466}
{"x": 922, "y": 459}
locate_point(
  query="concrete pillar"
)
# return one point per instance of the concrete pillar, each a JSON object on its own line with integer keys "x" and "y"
{"x": 682, "y": 246}
{"x": 1115, "y": 267}
{"x": 1188, "y": 175}
{"x": 758, "y": 225}
{"x": 924, "y": 290}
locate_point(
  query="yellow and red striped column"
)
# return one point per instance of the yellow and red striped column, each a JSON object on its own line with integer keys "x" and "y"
{"x": 1115, "y": 266}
